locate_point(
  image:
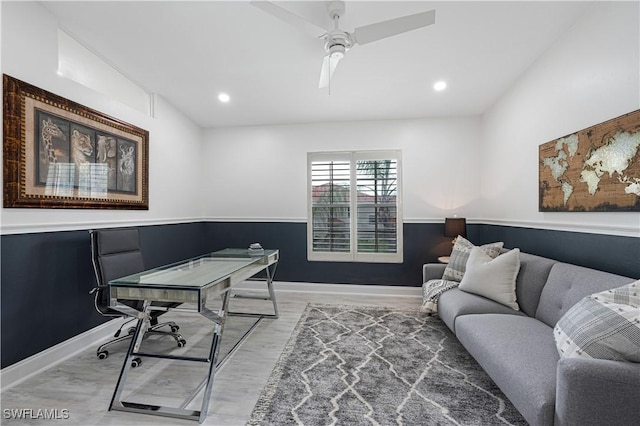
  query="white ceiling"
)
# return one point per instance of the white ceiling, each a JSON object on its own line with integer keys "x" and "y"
{"x": 188, "y": 52}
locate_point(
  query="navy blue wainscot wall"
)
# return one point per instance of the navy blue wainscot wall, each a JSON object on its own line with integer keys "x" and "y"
{"x": 46, "y": 277}
{"x": 610, "y": 253}
{"x": 422, "y": 243}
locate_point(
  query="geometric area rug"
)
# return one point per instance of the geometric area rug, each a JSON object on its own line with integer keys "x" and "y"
{"x": 363, "y": 365}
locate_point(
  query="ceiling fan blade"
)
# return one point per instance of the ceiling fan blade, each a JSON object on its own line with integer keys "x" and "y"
{"x": 384, "y": 29}
{"x": 311, "y": 28}
{"x": 329, "y": 64}
{"x": 324, "y": 73}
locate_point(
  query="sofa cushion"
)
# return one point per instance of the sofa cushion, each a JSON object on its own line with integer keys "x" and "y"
{"x": 458, "y": 260}
{"x": 567, "y": 284}
{"x": 492, "y": 278}
{"x": 519, "y": 354}
{"x": 605, "y": 325}
{"x": 534, "y": 271}
{"x": 456, "y": 302}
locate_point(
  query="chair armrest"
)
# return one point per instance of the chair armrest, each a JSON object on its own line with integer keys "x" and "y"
{"x": 432, "y": 271}
{"x": 597, "y": 392}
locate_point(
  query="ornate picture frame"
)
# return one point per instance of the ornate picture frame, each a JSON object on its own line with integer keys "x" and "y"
{"x": 60, "y": 154}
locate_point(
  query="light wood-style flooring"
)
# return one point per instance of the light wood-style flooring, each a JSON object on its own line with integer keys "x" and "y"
{"x": 84, "y": 385}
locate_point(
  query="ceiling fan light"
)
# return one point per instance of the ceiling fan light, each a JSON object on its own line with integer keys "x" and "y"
{"x": 337, "y": 51}
{"x": 224, "y": 98}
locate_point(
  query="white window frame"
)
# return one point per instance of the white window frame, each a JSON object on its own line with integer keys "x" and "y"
{"x": 353, "y": 255}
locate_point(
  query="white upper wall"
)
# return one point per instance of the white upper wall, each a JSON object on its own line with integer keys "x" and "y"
{"x": 260, "y": 173}
{"x": 592, "y": 74}
{"x": 482, "y": 168}
{"x": 29, "y": 53}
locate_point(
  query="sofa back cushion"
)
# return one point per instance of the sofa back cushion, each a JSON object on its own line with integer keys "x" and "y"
{"x": 534, "y": 271}
{"x": 567, "y": 284}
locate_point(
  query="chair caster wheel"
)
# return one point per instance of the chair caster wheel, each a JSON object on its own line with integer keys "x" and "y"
{"x": 131, "y": 331}
{"x": 181, "y": 343}
{"x": 103, "y": 354}
{"x": 174, "y": 328}
{"x": 136, "y": 362}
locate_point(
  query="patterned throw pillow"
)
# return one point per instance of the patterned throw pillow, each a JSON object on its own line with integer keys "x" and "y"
{"x": 458, "y": 260}
{"x": 604, "y": 325}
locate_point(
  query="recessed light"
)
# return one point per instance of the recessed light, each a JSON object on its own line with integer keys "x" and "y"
{"x": 223, "y": 97}
{"x": 440, "y": 86}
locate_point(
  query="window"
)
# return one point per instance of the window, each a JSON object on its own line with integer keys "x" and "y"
{"x": 354, "y": 206}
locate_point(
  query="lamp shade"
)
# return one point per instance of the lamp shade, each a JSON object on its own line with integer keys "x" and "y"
{"x": 454, "y": 226}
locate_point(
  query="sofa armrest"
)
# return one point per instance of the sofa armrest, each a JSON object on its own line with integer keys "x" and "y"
{"x": 597, "y": 392}
{"x": 432, "y": 271}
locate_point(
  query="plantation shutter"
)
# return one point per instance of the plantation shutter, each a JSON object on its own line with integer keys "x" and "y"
{"x": 331, "y": 204}
{"x": 354, "y": 206}
{"x": 377, "y": 193}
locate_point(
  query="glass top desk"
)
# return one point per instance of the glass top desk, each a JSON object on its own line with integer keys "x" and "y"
{"x": 197, "y": 284}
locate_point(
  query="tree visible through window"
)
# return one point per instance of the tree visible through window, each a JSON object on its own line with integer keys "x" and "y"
{"x": 377, "y": 189}
{"x": 355, "y": 194}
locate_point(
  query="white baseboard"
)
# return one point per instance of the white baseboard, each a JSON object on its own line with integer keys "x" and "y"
{"x": 21, "y": 371}
{"x": 369, "y": 290}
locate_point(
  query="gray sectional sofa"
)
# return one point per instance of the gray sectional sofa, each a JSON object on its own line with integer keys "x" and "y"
{"x": 517, "y": 348}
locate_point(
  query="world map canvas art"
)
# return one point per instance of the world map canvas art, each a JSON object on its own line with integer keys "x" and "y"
{"x": 595, "y": 169}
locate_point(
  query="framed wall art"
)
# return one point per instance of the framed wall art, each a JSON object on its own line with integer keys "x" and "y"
{"x": 596, "y": 169}
{"x": 60, "y": 154}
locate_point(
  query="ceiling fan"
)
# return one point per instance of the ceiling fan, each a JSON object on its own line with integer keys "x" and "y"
{"x": 337, "y": 41}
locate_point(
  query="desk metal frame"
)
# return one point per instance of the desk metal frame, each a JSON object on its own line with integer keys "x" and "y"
{"x": 152, "y": 290}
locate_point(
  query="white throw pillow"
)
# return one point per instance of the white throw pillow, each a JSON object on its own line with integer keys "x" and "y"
{"x": 494, "y": 279}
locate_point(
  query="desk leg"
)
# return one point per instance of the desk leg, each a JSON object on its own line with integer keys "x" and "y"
{"x": 272, "y": 294}
{"x": 213, "y": 354}
{"x": 136, "y": 341}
